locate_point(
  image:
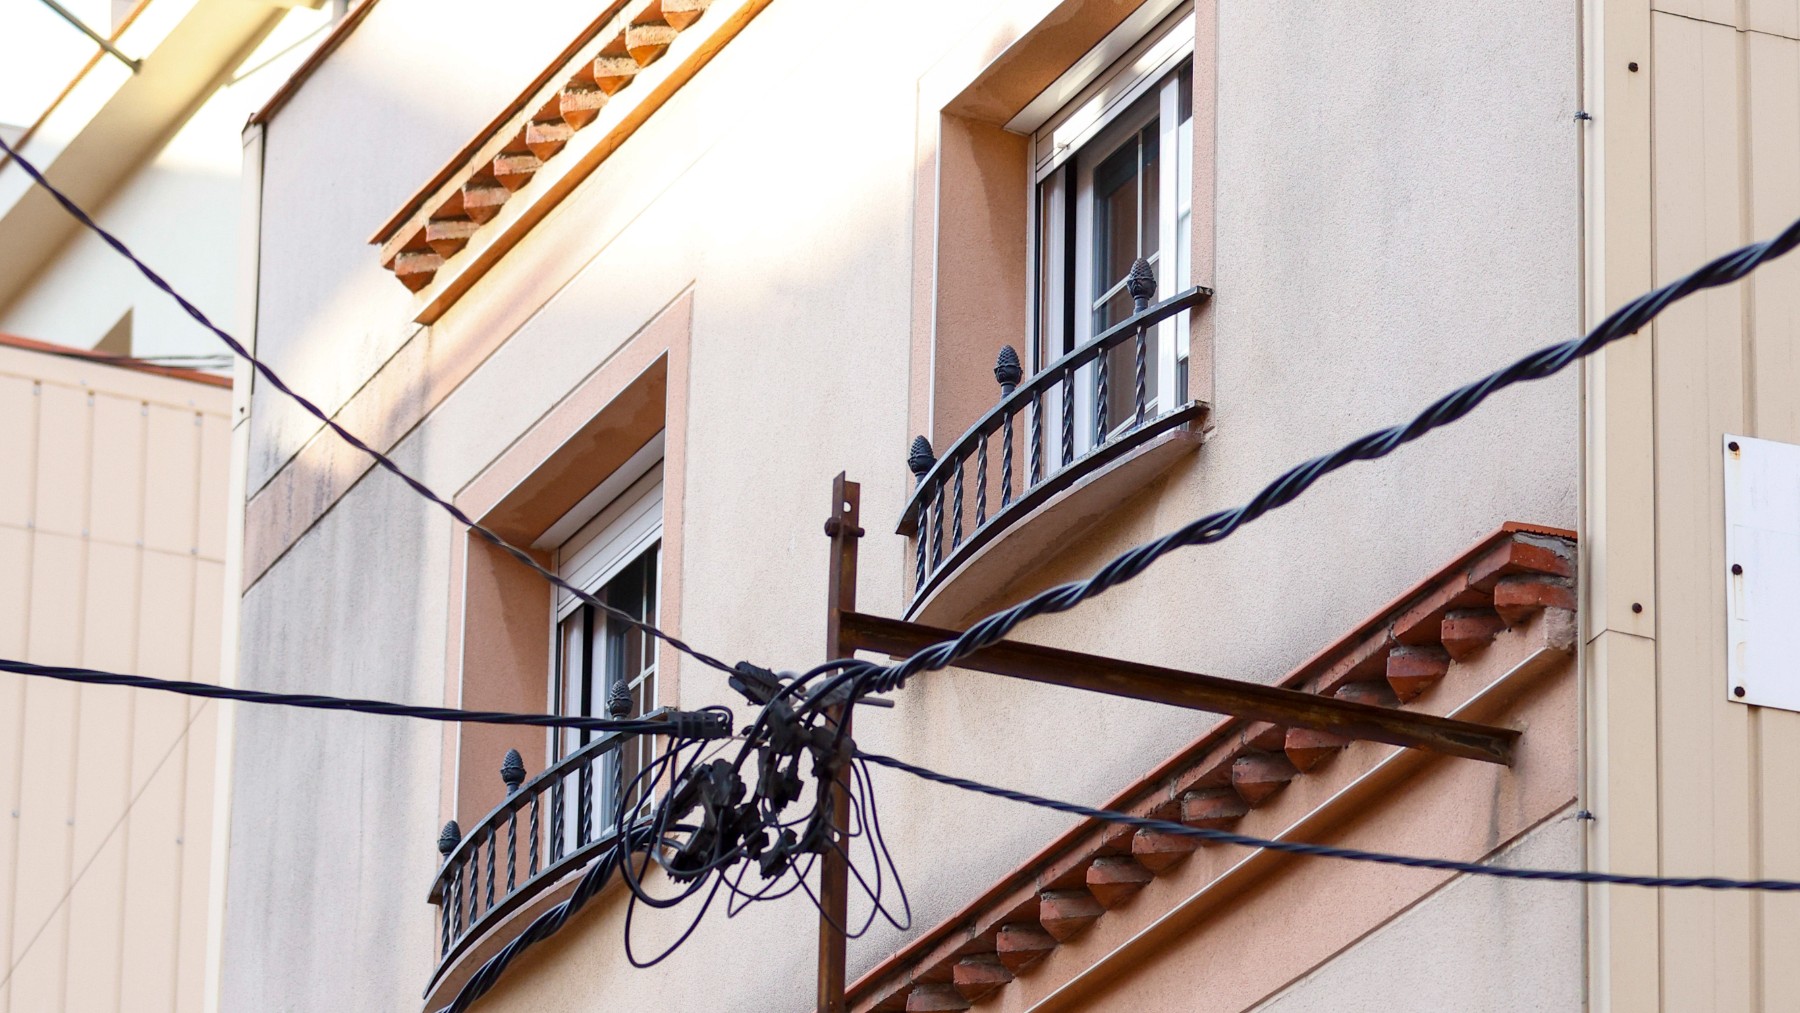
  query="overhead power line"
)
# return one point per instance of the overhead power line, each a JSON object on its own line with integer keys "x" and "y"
{"x": 712, "y": 722}
{"x": 346, "y": 435}
{"x": 1327, "y": 851}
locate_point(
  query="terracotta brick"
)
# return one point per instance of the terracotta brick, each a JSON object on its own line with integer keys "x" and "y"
{"x": 646, "y": 42}
{"x": 1022, "y": 944}
{"x": 1306, "y": 748}
{"x": 1375, "y": 694}
{"x": 1115, "y": 839}
{"x": 1160, "y": 852}
{"x": 579, "y": 106}
{"x": 1256, "y": 776}
{"x": 447, "y": 236}
{"x": 415, "y": 269}
{"x": 978, "y": 975}
{"x": 1113, "y": 878}
{"x": 1468, "y": 631}
{"x": 934, "y": 996}
{"x": 1518, "y": 597}
{"x": 612, "y": 72}
{"x": 682, "y": 13}
{"x": 1412, "y": 670}
{"x": 1212, "y": 808}
{"x": 1066, "y": 913}
{"x": 482, "y": 199}
{"x": 548, "y": 137}
{"x": 1262, "y": 735}
{"x": 514, "y": 169}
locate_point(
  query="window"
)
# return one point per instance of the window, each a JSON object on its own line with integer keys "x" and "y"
{"x": 616, "y": 557}
{"x": 1114, "y": 183}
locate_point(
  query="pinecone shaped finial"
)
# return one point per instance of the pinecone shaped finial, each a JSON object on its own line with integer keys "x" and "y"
{"x": 1141, "y": 284}
{"x": 449, "y": 838}
{"x": 1007, "y": 370}
{"x": 618, "y": 702}
{"x": 920, "y": 458}
{"x": 512, "y": 770}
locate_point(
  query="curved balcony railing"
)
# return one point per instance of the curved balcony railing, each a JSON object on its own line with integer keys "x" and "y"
{"x": 947, "y": 528}
{"x": 569, "y": 815}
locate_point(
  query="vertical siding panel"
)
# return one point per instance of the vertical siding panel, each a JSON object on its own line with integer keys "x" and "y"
{"x": 62, "y": 438}
{"x": 1778, "y": 17}
{"x": 48, "y": 746}
{"x": 117, "y": 470}
{"x": 18, "y": 420}
{"x": 170, "y": 500}
{"x": 1708, "y": 952}
{"x": 1772, "y": 127}
{"x": 196, "y": 847}
{"x": 15, "y": 575}
{"x": 102, "y": 773}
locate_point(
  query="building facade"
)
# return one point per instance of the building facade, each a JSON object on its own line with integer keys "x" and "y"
{"x": 631, "y": 283}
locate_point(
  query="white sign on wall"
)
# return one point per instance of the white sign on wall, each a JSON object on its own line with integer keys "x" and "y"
{"x": 1762, "y": 572}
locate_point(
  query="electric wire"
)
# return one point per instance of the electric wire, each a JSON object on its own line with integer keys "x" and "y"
{"x": 385, "y": 462}
{"x": 1327, "y": 851}
{"x": 720, "y": 716}
{"x": 1217, "y": 526}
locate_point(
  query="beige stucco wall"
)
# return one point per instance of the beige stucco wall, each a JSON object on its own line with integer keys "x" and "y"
{"x": 1392, "y": 221}
{"x": 112, "y": 539}
{"x": 1696, "y": 155}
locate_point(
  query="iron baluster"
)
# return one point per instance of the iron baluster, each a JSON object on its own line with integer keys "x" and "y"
{"x": 981, "y": 454}
{"x": 618, "y": 707}
{"x": 532, "y": 847}
{"x": 585, "y": 777}
{"x": 1007, "y": 373}
{"x": 1142, "y": 286}
{"x": 447, "y": 840}
{"x": 556, "y": 819}
{"x": 1006, "y": 461}
{"x": 956, "y": 509}
{"x": 473, "y": 864}
{"x": 1037, "y": 440}
{"x": 512, "y": 851}
{"x": 937, "y": 528}
{"x": 919, "y": 460}
{"x": 490, "y": 872}
{"x": 512, "y": 774}
{"x": 1068, "y": 414}
{"x": 1100, "y": 395}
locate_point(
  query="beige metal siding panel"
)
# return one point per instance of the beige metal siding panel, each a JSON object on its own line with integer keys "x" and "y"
{"x": 95, "y": 913}
{"x": 117, "y": 470}
{"x": 171, "y": 494}
{"x": 153, "y": 876}
{"x": 1777, "y": 17}
{"x": 165, "y": 617}
{"x": 1623, "y": 716}
{"x": 1708, "y": 951}
{"x": 196, "y": 849}
{"x": 1723, "y": 12}
{"x": 18, "y": 451}
{"x": 215, "y": 466}
{"x": 62, "y": 448}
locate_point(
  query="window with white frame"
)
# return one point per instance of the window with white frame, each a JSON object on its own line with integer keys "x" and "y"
{"x": 616, "y": 556}
{"x": 1113, "y": 183}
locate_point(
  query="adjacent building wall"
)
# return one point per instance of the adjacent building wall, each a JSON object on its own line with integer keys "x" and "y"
{"x": 1697, "y": 150}
{"x": 112, "y": 500}
{"x": 1394, "y": 219}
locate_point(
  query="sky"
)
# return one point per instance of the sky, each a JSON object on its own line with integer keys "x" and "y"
{"x": 40, "y": 53}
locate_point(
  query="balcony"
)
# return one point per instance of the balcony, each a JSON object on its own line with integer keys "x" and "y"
{"x": 1005, "y": 461}
{"x": 569, "y": 814}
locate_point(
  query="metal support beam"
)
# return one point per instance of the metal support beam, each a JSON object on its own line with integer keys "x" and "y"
{"x": 834, "y": 865}
{"x": 1210, "y": 693}
{"x": 102, "y": 41}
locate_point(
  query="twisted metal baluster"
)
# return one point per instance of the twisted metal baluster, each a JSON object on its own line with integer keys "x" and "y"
{"x": 1139, "y": 420}
{"x": 556, "y": 819}
{"x": 937, "y": 527}
{"x": 490, "y": 876}
{"x": 453, "y": 897}
{"x": 532, "y": 847}
{"x": 919, "y": 460}
{"x": 512, "y": 850}
{"x": 474, "y": 865}
{"x": 1037, "y": 440}
{"x": 981, "y": 481}
{"x": 447, "y": 840}
{"x": 1068, "y": 414}
{"x": 586, "y": 778}
{"x": 956, "y": 510}
{"x": 1100, "y": 372}
{"x": 1006, "y": 460}
{"x": 924, "y": 522}
{"x": 444, "y": 932}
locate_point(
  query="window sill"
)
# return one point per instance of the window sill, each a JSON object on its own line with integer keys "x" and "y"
{"x": 1050, "y": 515}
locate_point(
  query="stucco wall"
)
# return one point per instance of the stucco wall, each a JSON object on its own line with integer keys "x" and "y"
{"x": 1397, "y": 214}
{"x": 1477, "y": 944}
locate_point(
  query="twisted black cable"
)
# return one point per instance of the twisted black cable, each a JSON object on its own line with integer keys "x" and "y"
{"x": 316, "y": 701}
{"x": 1326, "y": 851}
{"x": 316, "y": 412}
{"x": 1217, "y": 526}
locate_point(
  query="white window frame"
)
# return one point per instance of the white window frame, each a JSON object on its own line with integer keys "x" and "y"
{"x": 1088, "y": 122}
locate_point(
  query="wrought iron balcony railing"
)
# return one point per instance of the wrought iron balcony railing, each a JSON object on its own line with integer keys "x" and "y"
{"x": 570, "y": 815}
{"x": 1079, "y": 392}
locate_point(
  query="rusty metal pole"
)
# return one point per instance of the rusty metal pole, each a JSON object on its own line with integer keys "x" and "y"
{"x": 834, "y": 866}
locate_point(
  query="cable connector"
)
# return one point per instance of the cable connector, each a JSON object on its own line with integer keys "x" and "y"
{"x": 713, "y": 723}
